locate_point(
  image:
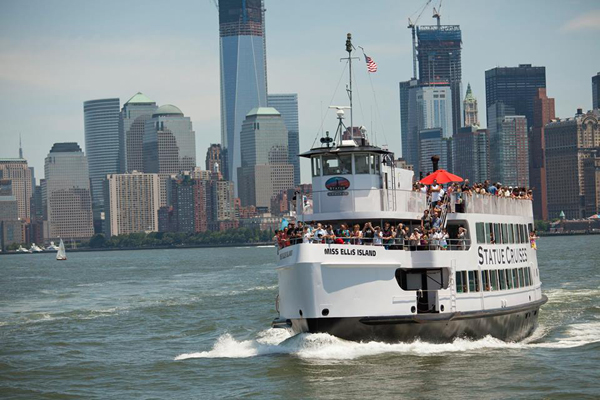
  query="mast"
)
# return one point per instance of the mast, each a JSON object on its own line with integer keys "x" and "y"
{"x": 349, "y": 50}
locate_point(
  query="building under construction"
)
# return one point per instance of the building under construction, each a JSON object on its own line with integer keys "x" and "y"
{"x": 439, "y": 57}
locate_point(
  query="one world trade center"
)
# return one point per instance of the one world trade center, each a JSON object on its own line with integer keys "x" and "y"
{"x": 243, "y": 73}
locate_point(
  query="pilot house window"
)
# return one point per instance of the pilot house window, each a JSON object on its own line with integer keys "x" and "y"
{"x": 337, "y": 165}
{"x": 361, "y": 163}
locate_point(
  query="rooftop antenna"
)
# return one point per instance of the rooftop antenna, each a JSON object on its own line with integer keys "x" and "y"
{"x": 349, "y": 48}
{"x": 340, "y": 116}
{"x": 20, "y": 148}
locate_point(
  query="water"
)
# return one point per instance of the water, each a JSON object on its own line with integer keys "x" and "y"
{"x": 194, "y": 323}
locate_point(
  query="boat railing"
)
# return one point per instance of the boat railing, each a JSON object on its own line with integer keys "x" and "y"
{"x": 388, "y": 244}
{"x": 357, "y": 200}
{"x": 487, "y": 204}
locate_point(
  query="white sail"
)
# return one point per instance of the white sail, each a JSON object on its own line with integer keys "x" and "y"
{"x": 61, "y": 254}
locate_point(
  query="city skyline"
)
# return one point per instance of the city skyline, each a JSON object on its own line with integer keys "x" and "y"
{"x": 50, "y": 53}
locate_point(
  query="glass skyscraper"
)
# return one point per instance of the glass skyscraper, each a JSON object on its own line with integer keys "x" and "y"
{"x": 169, "y": 142}
{"x": 101, "y": 125}
{"x": 136, "y": 111}
{"x": 243, "y": 72}
{"x": 439, "y": 55}
{"x": 287, "y": 105}
{"x": 516, "y": 87}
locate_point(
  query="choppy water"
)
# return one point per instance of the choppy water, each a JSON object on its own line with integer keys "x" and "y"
{"x": 195, "y": 324}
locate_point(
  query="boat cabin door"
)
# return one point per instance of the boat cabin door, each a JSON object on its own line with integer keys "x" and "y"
{"x": 426, "y": 283}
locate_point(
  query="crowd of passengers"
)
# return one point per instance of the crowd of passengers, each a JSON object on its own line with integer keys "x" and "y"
{"x": 436, "y": 190}
{"x": 429, "y": 236}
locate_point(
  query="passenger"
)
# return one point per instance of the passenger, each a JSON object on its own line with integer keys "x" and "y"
{"x": 388, "y": 234}
{"x": 462, "y": 237}
{"x": 434, "y": 190}
{"x": 319, "y": 234}
{"x": 344, "y": 233}
{"x": 532, "y": 238}
{"x": 368, "y": 233}
{"x": 444, "y": 239}
{"x": 356, "y": 234}
{"x": 426, "y": 220}
{"x": 377, "y": 236}
{"x": 436, "y": 221}
{"x": 306, "y": 236}
{"x": 435, "y": 239}
{"x": 415, "y": 239}
{"x": 425, "y": 240}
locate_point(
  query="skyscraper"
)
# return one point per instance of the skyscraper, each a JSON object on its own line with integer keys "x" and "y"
{"x": 409, "y": 122}
{"x": 433, "y": 143}
{"x": 68, "y": 193}
{"x": 101, "y": 126}
{"x": 136, "y": 111}
{"x": 471, "y": 150}
{"x": 509, "y": 150}
{"x": 243, "y": 72}
{"x": 570, "y": 144}
{"x": 596, "y": 91}
{"x": 439, "y": 56}
{"x": 265, "y": 170}
{"x": 16, "y": 170}
{"x": 214, "y": 159}
{"x": 543, "y": 113}
{"x": 132, "y": 202}
{"x": 516, "y": 87}
{"x": 287, "y": 105}
{"x": 169, "y": 142}
{"x": 471, "y": 116}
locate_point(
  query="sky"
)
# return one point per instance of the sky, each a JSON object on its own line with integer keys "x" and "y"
{"x": 56, "y": 54}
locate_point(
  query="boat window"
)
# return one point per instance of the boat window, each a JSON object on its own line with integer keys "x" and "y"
{"x": 530, "y": 275}
{"x": 524, "y": 234}
{"x": 515, "y": 278}
{"x": 509, "y": 280}
{"x": 497, "y": 233}
{"x": 519, "y": 234}
{"x": 461, "y": 282}
{"x": 485, "y": 280}
{"x": 504, "y": 234}
{"x": 494, "y": 279}
{"x": 488, "y": 233}
{"x": 502, "y": 280}
{"x": 375, "y": 163}
{"x": 522, "y": 278}
{"x": 361, "y": 163}
{"x": 511, "y": 233}
{"x": 337, "y": 164}
{"x": 526, "y": 275}
{"x": 473, "y": 281}
{"x": 480, "y": 232}
{"x": 316, "y": 166}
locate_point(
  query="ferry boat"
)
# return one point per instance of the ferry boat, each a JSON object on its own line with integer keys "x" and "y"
{"x": 485, "y": 283}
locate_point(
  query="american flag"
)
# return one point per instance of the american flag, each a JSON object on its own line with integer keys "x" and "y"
{"x": 371, "y": 66}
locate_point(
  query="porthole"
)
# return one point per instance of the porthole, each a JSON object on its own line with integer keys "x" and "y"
{"x": 325, "y": 312}
{"x": 300, "y": 312}
{"x": 442, "y": 307}
{"x": 413, "y": 309}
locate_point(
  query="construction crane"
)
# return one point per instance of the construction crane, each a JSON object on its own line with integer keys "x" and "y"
{"x": 412, "y": 25}
{"x": 436, "y": 13}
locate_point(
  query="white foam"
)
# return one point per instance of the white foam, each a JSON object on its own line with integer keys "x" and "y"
{"x": 322, "y": 346}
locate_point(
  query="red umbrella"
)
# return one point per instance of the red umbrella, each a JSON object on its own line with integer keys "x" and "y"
{"x": 442, "y": 176}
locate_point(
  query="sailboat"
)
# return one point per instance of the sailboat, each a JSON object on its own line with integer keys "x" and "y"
{"x": 61, "y": 254}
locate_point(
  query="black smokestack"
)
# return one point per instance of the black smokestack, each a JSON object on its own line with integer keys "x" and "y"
{"x": 435, "y": 161}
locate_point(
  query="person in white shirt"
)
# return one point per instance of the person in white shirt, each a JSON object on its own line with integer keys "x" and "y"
{"x": 319, "y": 233}
{"x": 306, "y": 236}
{"x": 434, "y": 189}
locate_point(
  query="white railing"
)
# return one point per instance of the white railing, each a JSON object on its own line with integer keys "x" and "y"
{"x": 488, "y": 204}
{"x": 361, "y": 200}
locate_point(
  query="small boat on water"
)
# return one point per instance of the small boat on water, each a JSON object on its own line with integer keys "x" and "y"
{"x": 22, "y": 249}
{"x": 61, "y": 254}
{"x": 52, "y": 247}
{"x": 35, "y": 249}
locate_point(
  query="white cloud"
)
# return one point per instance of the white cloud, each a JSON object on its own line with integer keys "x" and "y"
{"x": 590, "y": 20}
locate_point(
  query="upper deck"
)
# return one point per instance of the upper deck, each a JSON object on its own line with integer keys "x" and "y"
{"x": 352, "y": 181}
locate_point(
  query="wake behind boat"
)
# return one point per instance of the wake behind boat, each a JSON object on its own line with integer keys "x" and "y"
{"x": 479, "y": 276}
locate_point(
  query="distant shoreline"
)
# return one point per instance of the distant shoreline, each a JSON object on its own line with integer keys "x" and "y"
{"x": 570, "y": 233}
{"x": 192, "y": 246}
